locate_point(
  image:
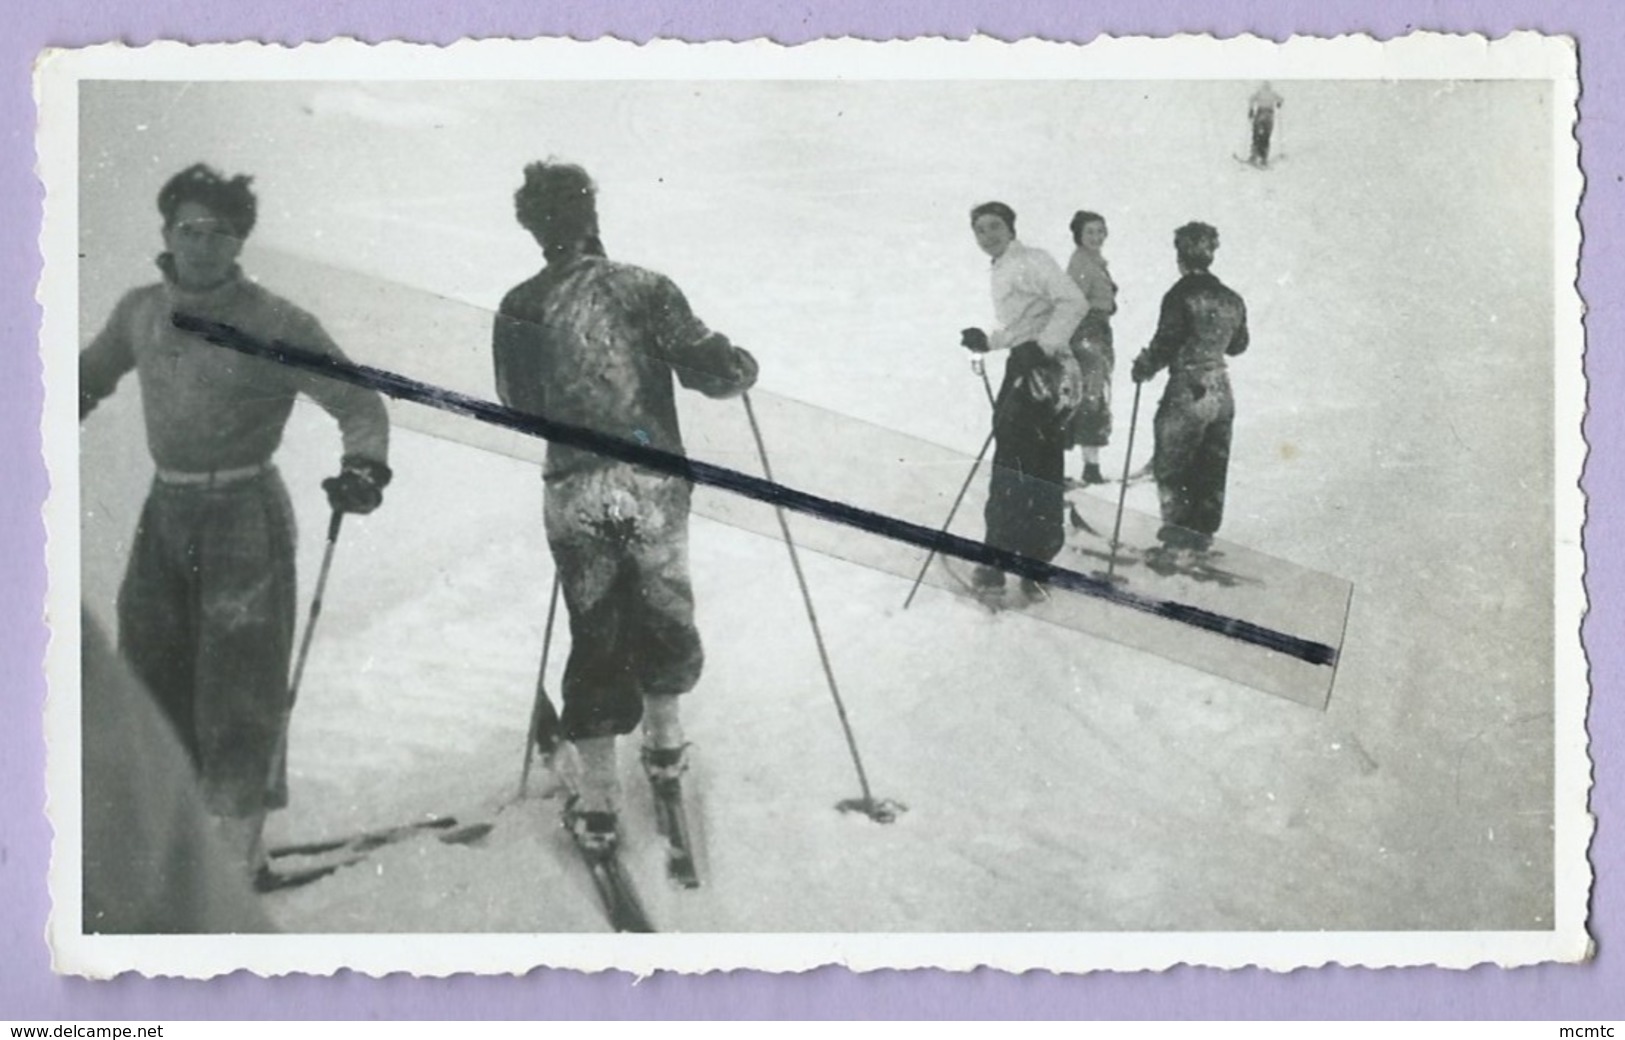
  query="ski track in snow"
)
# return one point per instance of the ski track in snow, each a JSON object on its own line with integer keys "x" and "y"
{"x": 1392, "y": 418}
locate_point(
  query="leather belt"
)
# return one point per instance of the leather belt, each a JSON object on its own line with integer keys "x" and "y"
{"x": 211, "y": 478}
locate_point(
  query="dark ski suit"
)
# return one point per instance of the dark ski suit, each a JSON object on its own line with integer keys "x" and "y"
{"x": 594, "y": 344}
{"x": 1202, "y": 323}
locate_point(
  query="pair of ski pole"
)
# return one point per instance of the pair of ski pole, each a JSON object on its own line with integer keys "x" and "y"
{"x": 1122, "y": 495}
{"x": 880, "y": 810}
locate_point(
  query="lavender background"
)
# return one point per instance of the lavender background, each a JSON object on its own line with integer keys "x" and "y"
{"x": 28, "y": 990}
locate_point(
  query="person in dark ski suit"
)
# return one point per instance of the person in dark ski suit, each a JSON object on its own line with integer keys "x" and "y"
{"x": 1038, "y": 308}
{"x": 1092, "y": 343}
{"x": 1202, "y": 323}
{"x": 1261, "y": 112}
{"x": 206, "y": 611}
{"x": 595, "y": 344}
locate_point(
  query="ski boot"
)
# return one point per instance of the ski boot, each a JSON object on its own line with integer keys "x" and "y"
{"x": 664, "y": 765}
{"x": 596, "y": 832}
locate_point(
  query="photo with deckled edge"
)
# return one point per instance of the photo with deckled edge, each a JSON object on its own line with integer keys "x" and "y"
{"x": 796, "y": 164}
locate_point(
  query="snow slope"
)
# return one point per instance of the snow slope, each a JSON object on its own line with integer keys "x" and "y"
{"x": 1394, "y": 430}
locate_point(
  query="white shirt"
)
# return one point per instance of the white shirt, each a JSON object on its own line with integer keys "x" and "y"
{"x": 1033, "y": 299}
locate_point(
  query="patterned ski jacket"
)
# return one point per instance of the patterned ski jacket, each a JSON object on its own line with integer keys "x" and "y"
{"x": 210, "y": 408}
{"x": 1202, "y": 323}
{"x": 594, "y": 344}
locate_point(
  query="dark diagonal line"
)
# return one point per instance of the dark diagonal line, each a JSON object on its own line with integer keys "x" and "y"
{"x": 398, "y": 386}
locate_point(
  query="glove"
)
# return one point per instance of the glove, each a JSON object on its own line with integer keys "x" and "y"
{"x": 974, "y": 340}
{"x": 1142, "y": 369}
{"x": 745, "y": 369}
{"x": 977, "y": 365}
{"x": 359, "y": 487}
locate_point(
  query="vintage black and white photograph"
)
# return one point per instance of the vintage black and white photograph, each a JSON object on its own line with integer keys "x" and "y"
{"x": 914, "y": 504}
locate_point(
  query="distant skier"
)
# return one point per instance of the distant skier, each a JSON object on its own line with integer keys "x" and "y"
{"x": 1092, "y": 343}
{"x": 206, "y": 611}
{"x": 1262, "y": 109}
{"x": 1038, "y": 308}
{"x": 1202, "y": 323}
{"x": 595, "y": 344}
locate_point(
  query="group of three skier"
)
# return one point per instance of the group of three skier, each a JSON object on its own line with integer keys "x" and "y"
{"x": 1057, "y": 384}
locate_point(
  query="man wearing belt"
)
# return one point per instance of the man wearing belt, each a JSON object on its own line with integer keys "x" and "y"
{"x": 206, "y": 611}
{"x": 1203, "y": 322}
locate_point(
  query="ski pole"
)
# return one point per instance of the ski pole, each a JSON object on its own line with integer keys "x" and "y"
{"x": 1122, "y": 494}
{"x": 315, "y": 604}
{"x": 542, "y": 706}
{"x": 992, "y": 403}
{"x": 280, "y": 755}
{"x": 958, "y": 499}
{"x": 981, "y": 370}
{"x": 880, "y": 811}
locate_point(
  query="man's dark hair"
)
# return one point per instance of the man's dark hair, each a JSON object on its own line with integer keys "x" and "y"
{"x": 998, "y": 209}
{"x": 1080, "y": 220}
{"x": 230, "y": 200}
{"x": 557, "y": 204}
{"x": 1195, "y": 243}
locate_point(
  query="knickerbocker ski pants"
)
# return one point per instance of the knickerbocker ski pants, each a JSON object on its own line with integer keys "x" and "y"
{"x": 206, "y": 620}
{"x": 619, "y": 537}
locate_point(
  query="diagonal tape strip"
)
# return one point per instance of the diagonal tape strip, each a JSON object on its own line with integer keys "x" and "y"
{"x": 401, "y": 387}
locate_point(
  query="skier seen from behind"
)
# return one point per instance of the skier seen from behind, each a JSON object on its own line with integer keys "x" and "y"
{"x": 206, "y": 610}
{"x": 1038, "y": 309}
{"x": 1092, "y": 343}
{"x": 1202, "y": 323}
{"x": 1262, "y": 108}
{"x": 595, "y": 344}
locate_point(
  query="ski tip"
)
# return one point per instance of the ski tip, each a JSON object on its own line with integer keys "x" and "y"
{"x": 268, "y": 880}
{"x": 467, "y": 835}
{"x": 682, "y": 874}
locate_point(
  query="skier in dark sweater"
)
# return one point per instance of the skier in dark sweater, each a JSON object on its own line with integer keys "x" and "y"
{"x": 206, "y": 611}
{"x": 1202, "y": 323}
{"x": 595, "y": 344}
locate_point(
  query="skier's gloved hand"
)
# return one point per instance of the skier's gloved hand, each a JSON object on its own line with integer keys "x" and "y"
{"x": 746, "y": 369}
{"x": 1143, "y": 369}
{"x": 974, "y": 340}
{"x": 359, "y": 487}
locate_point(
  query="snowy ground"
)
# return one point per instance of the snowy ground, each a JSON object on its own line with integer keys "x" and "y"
{"x": 1394, "y": 430}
